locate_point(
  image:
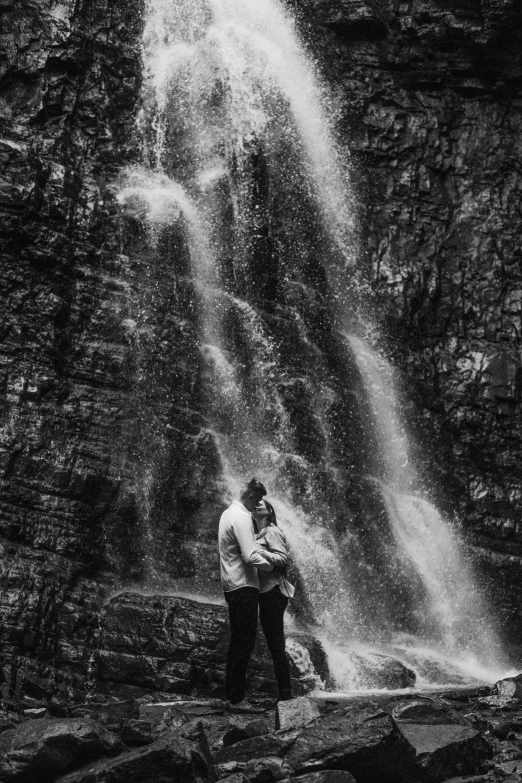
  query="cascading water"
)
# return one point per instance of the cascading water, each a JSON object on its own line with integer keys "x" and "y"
{"x": 443, "y": 592}
{"x": 241, "y": 167}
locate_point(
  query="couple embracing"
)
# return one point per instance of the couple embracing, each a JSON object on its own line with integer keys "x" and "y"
{"x": 253, "y": 555}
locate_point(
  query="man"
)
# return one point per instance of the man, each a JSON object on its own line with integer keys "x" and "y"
{"x": 239, "y": 563}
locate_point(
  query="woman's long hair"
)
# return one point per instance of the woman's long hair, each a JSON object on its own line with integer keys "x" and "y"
{"x": 272, "y": 519}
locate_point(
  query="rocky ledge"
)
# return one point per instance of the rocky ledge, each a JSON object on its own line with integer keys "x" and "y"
{"x": 462, "y": 737}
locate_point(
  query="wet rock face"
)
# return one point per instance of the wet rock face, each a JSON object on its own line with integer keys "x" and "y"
{"x": 173, "y": 645}
{"x": 432, "y": 92}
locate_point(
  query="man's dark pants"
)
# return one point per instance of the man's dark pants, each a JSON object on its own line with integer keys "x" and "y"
{"x": 272, "y": 607}
{"x": 242, "y": 609}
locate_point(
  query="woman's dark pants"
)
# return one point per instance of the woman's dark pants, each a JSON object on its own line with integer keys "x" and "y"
{"x": 242, "y": 610}
{"x": 272, "y": 607}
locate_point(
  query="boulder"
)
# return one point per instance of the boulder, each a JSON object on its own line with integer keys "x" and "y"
{"x": 360, "y": 739}
{"x": 166, "y": 760}
{"x": 39, "y": 750}
{"x": 374, "y": 671}
{"x": 295, "y": 713}
{"x": 509, "y": 687}
{"x": 308, "y": 661}
{"x": 241, "y": 729}
{"x": 420, "y": 711}
{"x": 267, "y": 770}
{"x": 230, "y": 769}
{"x": 257, "y": 748}
{"x": 442, "y": 751}
{"x": 136, "y": 732}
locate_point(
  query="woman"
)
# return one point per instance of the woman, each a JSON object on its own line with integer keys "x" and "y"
{"x": 274, "y": 592}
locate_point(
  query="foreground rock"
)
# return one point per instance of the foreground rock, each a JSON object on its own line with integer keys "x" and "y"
{"x": 169, "y": 759}
{"x": 360, "y": 739}
{"x": 295, "y": 713}
{"x": 40, "y": 750}
{"x": 509, "y": 688}
{"x": 383, "y": 740}
{"x": 441, "y": 751}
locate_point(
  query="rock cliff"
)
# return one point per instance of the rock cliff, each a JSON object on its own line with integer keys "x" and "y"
{"x": 431, "y": 92}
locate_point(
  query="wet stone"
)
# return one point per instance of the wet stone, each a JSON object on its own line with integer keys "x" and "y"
{"x": 136, "y": 732}
{"x": 266, "y": 770}
{"x": 294, "y": 713}
{"x": 166, "y": 760}
{"x": 420, "y": 712}
{"x": 43, "y": 749}
{"x": 242, "y": 729}
{"x": 443, "y": 751}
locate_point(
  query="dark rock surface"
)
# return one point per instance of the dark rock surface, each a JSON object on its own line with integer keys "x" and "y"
{"x": 166, "y": 760}
{"x": 359, "y": 741}
{"x": 43, "y": 749}
{"x": 441, "y": 750}
{"x": 433, "y": 99}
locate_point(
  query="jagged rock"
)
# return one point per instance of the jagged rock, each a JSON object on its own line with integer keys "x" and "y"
{"x": 230, "y": 769}
{"x": 43, "y": 749}
{"x": 509, "y": 688}
{"x": 136, "y": 732}
{"x": 241, "y": 729}
{"x": 294, "y": 713}
{"x": 266, "y": 770}
{"x": 165, "y": 760}
{"x": 360, "y": 739}
{"x": 257, "y": 748}
{"x": 442, "y": 751}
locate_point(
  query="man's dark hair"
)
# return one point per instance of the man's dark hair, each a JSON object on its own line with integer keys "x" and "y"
{"x": 256, "y": 486}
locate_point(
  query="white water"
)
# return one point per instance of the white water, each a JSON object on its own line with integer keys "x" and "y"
{"x": 239, "y": 72}
{"x": 223, "y": 78}
{"x": 453, "y": 618}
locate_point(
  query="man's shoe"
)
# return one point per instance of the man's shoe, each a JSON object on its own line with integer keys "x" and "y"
{"x": 244, "y": 707}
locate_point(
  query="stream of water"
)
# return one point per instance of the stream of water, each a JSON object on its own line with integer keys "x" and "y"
{"x": 240, "y": 156}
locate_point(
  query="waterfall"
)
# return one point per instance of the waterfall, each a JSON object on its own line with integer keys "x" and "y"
{"x": 444, "y": 593}
{"x": 245, "y": 197}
